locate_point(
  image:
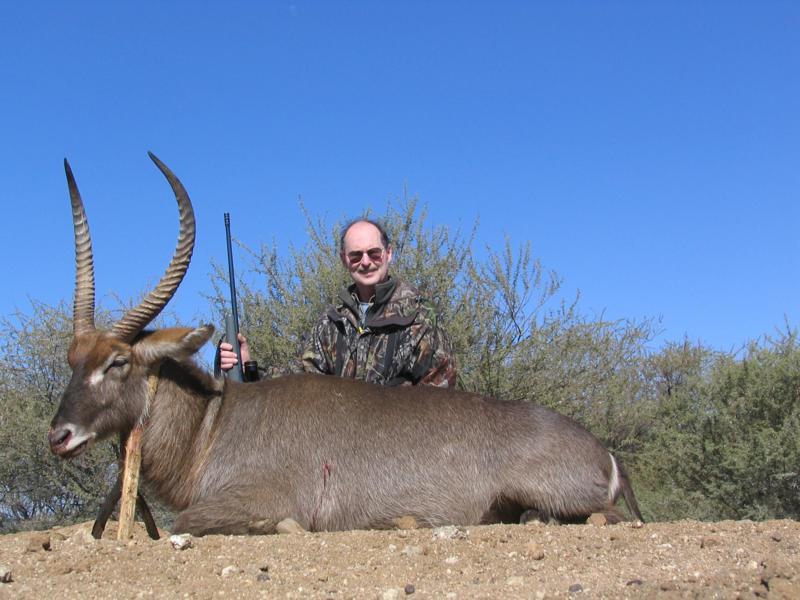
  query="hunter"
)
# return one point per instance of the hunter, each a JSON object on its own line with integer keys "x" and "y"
{"x": 381, "y": 330}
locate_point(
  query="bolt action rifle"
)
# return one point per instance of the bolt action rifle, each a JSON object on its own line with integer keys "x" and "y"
{"x": 250, "y": 372}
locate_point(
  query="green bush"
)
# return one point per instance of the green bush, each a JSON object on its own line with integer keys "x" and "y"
{"x": 705, "y": 435}
{"x": 724, "y": 443}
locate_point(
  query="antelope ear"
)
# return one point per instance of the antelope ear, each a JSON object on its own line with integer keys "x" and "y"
{"x": 177, "y": 343}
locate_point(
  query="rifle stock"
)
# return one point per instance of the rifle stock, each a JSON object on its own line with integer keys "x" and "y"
{"x": 231, "y": 335}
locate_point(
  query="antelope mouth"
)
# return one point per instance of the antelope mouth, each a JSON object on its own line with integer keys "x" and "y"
{"x": 79, "y": 449}
{"x": 67, "y": 444}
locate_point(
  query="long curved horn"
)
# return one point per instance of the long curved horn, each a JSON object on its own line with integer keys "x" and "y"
{"x": 137, "y": 318}
{"x": 83, "y": 306}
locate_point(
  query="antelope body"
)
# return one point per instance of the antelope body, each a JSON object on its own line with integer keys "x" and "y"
{"x": 330, "y": 453}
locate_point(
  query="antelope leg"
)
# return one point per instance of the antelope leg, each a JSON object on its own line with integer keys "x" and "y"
{"x": 107, "y": 508}
{"x": 147, "y": 517}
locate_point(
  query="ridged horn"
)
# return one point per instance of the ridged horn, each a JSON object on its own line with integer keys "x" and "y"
{"x": 137, "y": 318}
{"x": 83, "y": 306}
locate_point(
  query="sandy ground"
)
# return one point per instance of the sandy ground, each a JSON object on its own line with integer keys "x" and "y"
{"x": 685, "y": 559}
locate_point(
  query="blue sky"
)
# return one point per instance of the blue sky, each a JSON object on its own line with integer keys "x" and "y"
{"x": 649, "y": 152}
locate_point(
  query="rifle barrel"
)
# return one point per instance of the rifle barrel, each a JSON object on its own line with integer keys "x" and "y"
{"x": 231, "y": 276}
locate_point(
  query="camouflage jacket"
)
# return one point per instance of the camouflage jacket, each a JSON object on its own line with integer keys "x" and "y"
{"x": 399, "y": 342}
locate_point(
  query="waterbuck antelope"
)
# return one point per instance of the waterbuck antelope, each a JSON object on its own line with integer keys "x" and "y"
{"x": 330, "y": 453}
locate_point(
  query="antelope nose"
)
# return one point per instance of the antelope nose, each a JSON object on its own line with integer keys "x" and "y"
{"x": 57, "y": 436}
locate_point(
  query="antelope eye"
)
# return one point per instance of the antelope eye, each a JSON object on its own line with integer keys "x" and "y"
{"x": 119, "y": 361}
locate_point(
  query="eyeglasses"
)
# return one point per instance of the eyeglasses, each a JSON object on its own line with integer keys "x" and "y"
{"x": 375, "y": 255}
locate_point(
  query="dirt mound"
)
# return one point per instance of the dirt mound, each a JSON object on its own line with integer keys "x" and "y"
{"x": 685, "y": 559}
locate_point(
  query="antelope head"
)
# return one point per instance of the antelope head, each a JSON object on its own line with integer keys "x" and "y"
{"x": 107, "y": 391}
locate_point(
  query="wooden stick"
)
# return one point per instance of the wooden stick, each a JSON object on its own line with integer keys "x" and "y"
{"x": 133, "y": 462}
{"x": 130, "y": 483}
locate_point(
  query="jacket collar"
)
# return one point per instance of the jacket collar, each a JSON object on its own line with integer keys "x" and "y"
{"x": 375, "y": 316}
{"x": 383, "y": 292}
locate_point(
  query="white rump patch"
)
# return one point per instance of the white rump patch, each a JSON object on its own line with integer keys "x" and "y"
{"x": 613, "y": 481}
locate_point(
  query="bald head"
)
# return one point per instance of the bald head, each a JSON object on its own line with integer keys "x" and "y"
{"x": 384, "y": 236}
{"x": 366, "y": 254}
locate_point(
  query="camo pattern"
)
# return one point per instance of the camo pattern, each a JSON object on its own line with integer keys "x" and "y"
{"x": 399, "y": 342}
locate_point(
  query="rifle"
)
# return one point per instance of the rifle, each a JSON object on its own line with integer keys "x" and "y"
{"x": 250, "y": 372}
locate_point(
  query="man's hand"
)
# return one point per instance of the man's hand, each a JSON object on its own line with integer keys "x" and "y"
{"x": 227, "y": 357}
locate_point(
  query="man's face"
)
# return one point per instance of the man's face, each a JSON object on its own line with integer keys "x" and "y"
{"x": 364, "y": 256}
